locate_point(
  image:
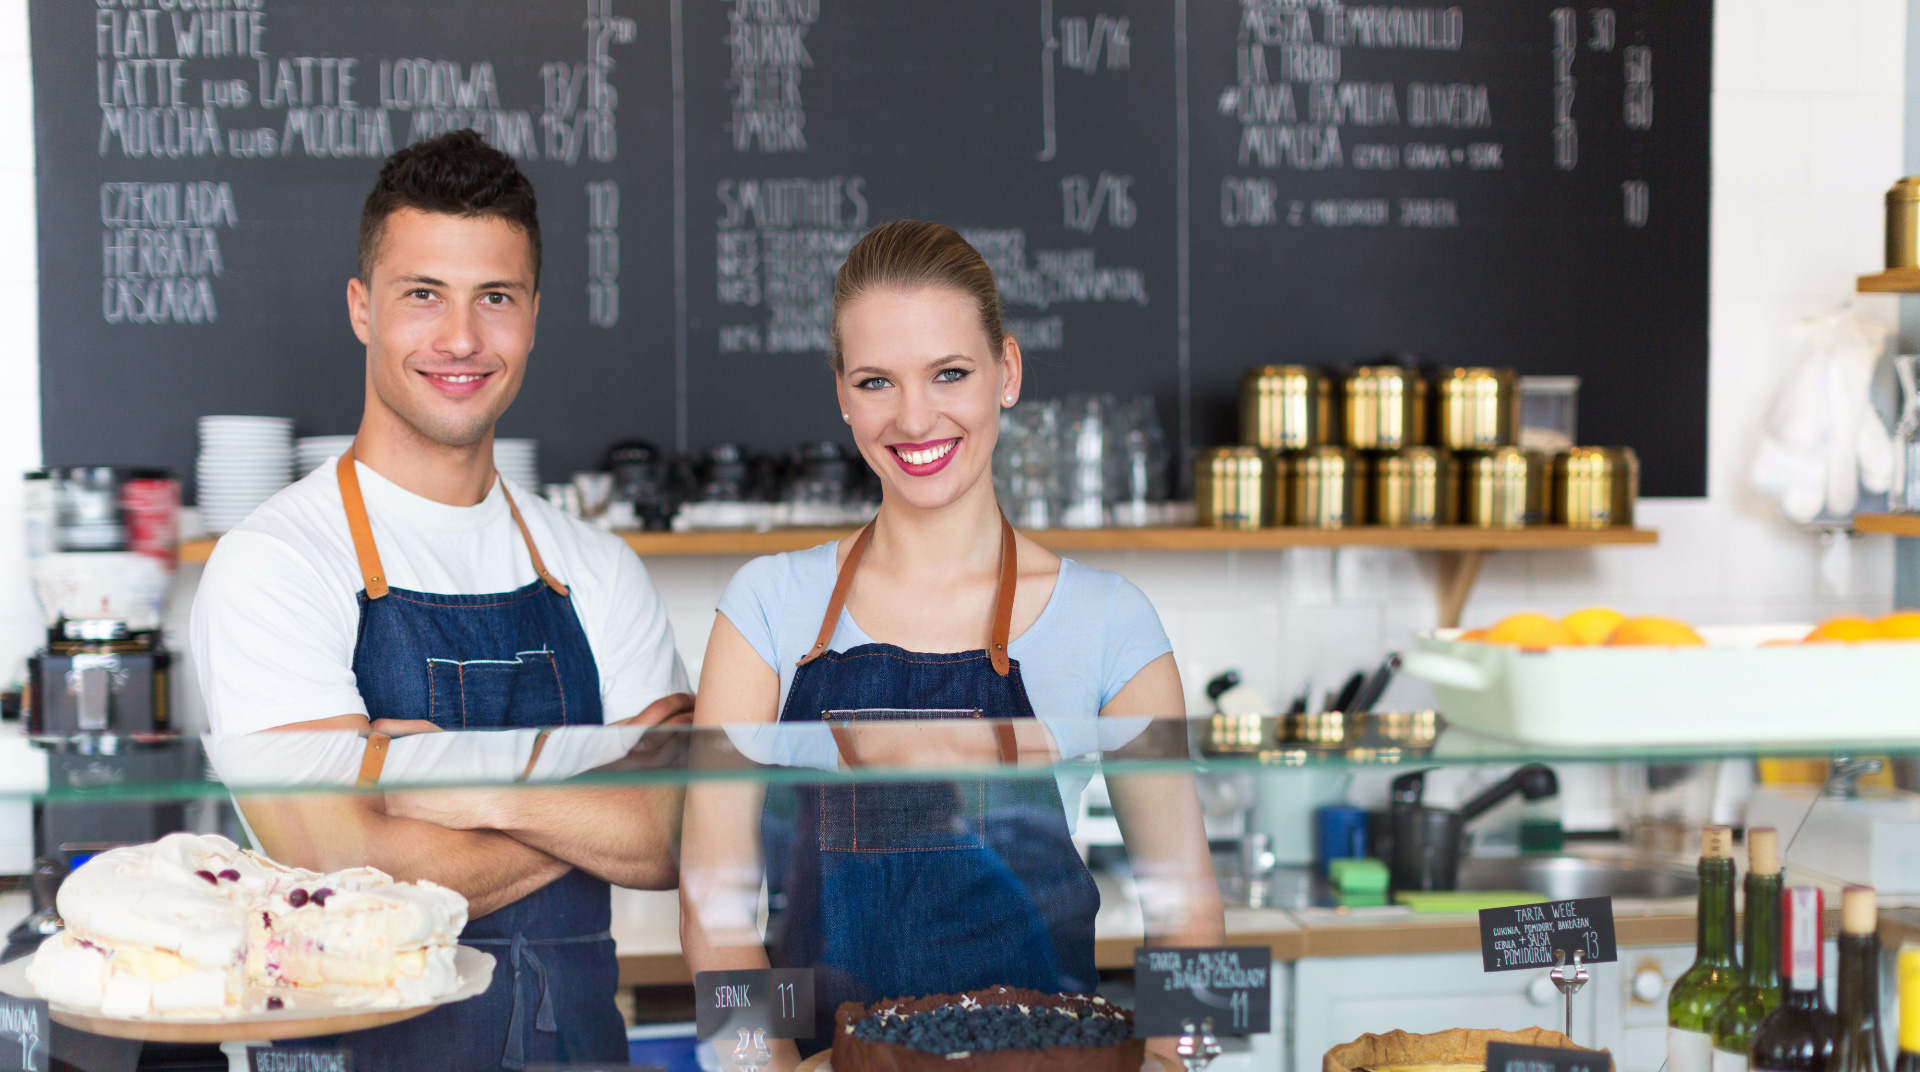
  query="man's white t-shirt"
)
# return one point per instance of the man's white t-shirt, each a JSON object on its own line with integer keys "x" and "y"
{"x": 277, "y": 615}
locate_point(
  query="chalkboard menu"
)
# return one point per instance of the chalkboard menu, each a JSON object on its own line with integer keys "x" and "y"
{"x": 1168, "y": 191}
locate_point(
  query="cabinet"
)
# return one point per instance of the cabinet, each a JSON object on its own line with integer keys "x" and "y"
{"x": 1337, "y": 999}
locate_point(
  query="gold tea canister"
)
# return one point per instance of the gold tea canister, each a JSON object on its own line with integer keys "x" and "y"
{"x": 1233, "y": 488}
{"x": 1595, "y": 487}
{"x": 1903, "y": 223}
{"x": 1504, "y": 488}
{"x": 1285, "y": 407}
{"x": 1414, "y": 488}
{"x": 1476, "y": 408}
{"x": 1384, "y": 407}
{"x": 1325, "y": 488}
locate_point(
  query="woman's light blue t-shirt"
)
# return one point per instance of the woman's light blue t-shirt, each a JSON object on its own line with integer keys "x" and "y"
{"x": 1095, "y": 633}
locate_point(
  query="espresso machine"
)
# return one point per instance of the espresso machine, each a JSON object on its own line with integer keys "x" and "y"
{"x": 102, "y": 543}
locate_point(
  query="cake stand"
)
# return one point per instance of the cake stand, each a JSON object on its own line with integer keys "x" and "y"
{"x": 235, "y": 1034}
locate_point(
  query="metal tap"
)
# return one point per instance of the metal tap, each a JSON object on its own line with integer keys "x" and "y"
{"x": 1843, "y": 777}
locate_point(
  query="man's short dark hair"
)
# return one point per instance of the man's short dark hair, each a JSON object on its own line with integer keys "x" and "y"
{"x": 455, "y": 174}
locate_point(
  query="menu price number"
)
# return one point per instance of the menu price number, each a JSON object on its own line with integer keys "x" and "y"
{"x": 1513, "y": 1057}
{"x": 1230, "y": 985}
{"x": 1540, "y": 935}
{"x": 778, "y": 1001}
{"x": 293, "y": 1059}
{"x": 25, "y": 1035}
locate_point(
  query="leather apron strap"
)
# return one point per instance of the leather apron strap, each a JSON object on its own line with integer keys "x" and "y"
{"x": 373, "y": 576}
{"x": 371, "y": 573}
{"x": 1002, "y": 600}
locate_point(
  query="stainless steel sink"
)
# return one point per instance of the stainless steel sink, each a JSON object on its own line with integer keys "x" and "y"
{"x": 1562, "y": 878}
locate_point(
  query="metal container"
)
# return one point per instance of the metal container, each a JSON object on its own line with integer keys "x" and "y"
{"x": 1286, "y": 407}
{"x": 1384, "y": 407}
{"x": 1903, "y": 223}
{"x": 1233, "y": 488}
{"x": 1476, "y": 408}
{"x": 1595, "y": 487}
{"x": 1416, "y": 488}
{"x": 1504, "y": 488}
{"x": 1325, "y": 488}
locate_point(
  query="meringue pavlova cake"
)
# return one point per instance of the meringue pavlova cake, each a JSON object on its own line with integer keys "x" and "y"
{"x": 192, "y": 926}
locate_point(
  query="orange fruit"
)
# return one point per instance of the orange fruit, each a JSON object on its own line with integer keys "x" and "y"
{"x": 1473, "y": 635}
{"x": 1846, "y": 629}
{"x": 1530, "y": 630}
{"x": 1900, "y": 625}
{"x": 1592, "y": 625}
{"x": 1656, "y": 631}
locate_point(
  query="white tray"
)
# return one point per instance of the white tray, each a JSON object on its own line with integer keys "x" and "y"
{"x": 474, "y": 967}
{"x": 1731, "y": 691}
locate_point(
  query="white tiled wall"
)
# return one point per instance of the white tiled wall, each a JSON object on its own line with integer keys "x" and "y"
{"x": 1808, "y": 114}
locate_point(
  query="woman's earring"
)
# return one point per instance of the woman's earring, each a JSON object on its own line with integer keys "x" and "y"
{"x": 1009, "y": 400}
{"x": 847, "y": 417}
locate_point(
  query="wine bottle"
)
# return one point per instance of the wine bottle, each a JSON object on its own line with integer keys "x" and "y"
{"x": 1797, "y": 1036}
{"x": 1759, "y": 992}
{"x": 1909, "y": 1036}
{"x": 1698, "y": 993}
{"x": 1856, "y": 1046}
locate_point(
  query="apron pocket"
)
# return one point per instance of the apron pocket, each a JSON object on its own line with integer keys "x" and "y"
{"x": 482, "y": 693}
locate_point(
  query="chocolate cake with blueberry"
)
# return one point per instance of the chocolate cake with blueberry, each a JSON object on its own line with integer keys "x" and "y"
{"x": 987, "y": 1030}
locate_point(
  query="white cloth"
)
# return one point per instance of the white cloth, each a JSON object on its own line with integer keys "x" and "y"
{"x": 277, "y": 614}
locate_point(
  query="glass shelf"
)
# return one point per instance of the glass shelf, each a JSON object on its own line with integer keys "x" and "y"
{"x": 182, "y": 768}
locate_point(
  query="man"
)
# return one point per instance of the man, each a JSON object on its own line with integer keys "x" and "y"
{"x": 407, "y": 588}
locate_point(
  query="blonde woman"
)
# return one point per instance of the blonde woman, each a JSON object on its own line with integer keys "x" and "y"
{"x": 936, "y": 611}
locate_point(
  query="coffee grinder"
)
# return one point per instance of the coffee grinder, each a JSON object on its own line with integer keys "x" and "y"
{"x": 101, "y": 544}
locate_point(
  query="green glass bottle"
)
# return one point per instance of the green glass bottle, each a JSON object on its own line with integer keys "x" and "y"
{"x": 1856, "y": 1044}
{"x": 1698, "y": 994}
{"x": 1759, "y": 993}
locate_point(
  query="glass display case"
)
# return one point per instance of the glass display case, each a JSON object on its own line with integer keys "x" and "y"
{"x": 592, "y": 875}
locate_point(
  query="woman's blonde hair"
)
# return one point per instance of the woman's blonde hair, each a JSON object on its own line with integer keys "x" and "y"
{"x": 909, "y": 254}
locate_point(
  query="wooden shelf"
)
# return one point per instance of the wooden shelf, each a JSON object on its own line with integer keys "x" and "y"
{"x": 1888, "y": 524}
{"x": 1459, "y": 548}
{"x": 1891, "y": 281}
{"x": 1185, "y": 538}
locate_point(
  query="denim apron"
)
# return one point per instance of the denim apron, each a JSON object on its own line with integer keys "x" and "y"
{"x": 905, "y": 889}
{"x": 506, "y": 660}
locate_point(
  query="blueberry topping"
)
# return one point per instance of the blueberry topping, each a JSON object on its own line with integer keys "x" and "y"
{"x": 320, "y": 896}
{"x": 296, "y": 897}
{"x": 266, "y": 920}
{"x": 275, "y": 1003}
{"x": 230, "y": 875}
{"x": 208, "y": 875}
{"x": 952, "y": 1030}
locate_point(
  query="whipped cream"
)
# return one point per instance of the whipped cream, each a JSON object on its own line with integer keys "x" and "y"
{"x": 194, "y": 926}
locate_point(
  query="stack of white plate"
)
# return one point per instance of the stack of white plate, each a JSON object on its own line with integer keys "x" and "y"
{"x": 243, "y": 461}
{"x": 518, "y": 460}
{"x": 312, "y": 452}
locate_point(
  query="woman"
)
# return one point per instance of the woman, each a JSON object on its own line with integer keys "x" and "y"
{"x": 937, "y": 612}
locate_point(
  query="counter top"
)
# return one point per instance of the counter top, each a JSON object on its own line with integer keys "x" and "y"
{"x": 646, "y": 932}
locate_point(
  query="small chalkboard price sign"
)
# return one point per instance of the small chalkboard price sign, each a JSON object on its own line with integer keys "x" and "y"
{"x": 778, "y": 1001}
{"x": 25, "y": 1034}
{"x": 1528, "y": 936}
{"x": 1513, "y": 1057}
{"x": 295, "y": 1059}
{"x": 1230, "y": 985}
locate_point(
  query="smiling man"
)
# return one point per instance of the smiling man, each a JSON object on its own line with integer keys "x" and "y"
{"x": 408, "y": 588}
